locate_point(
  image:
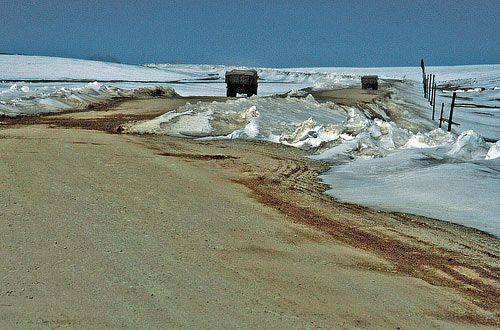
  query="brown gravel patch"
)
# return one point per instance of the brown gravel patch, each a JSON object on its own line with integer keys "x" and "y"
{"x": 440, "y": 253}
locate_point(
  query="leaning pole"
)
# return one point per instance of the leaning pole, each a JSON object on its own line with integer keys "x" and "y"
{"x": 423, "y": 77}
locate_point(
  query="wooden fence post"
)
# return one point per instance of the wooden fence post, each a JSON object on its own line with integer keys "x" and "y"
{"x": 429, "y": 87}
{"x": 425, "y": 86}
{"x": 435, "y": 90}
{"x": 429, "y": 81}
{"x": 451, "y": 111}
{"x": 423, "y": 76}
{"x": 432, "y": 89}
{"x": 434, "y": 101}
{"x": 441, "y": 118}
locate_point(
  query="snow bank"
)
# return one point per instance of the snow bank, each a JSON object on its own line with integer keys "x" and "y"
{"x": 299, "y": 122}
{"x": 22, "y": 100}
{"x": 494, "y": 151}
{"x": 468, "y": 146}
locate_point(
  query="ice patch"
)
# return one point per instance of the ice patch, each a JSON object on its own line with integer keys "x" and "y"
{"x": 433, "y": 138}
{"x": 310, "y": 134}
{"x": 177, "y": 124}
{"x": 250, "y": 131}
{"x": 296, "y": 93}
{"x": 469, "y": 146}
{"x": 494, "y": 151}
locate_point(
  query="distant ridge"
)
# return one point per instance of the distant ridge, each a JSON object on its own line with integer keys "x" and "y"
{"x": 105, "y": 58}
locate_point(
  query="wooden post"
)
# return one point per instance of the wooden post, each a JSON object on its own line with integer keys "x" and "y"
{"x": 451, "y": 111}
{"x": 430, "y": 88}
{"x": 429, "y": 81}
{"x": 425, "y": 86}
{"x": 434, "y": 101}
{"x": 423, "y": 75}
{"x": 435, "y": 90}
{"x": 441, "y": 118}
{"x": 430, "y": 91}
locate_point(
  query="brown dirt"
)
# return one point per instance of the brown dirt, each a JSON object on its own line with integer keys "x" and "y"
{"x": 440, "y": 253}
{"x": 119, "y": 231}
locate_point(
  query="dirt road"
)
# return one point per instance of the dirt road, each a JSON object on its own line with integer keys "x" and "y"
{"x": 104, "y": 230}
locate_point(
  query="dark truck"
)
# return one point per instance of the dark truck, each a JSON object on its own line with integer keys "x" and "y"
{"x": 242, "y": 82}
{"x": 369, "y": 82}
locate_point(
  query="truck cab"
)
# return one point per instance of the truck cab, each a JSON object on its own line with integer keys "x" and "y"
{"x": 241, "y": 82}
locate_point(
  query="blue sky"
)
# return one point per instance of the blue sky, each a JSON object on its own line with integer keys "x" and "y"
{"x": 271, "y": 33}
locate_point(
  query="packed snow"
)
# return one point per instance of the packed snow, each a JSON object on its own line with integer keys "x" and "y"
{"x": 388, "y": 155}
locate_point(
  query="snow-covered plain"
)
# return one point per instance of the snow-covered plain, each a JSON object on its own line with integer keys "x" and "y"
{"x": 388, "y": 156}
{"x": 34, "y": 84}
